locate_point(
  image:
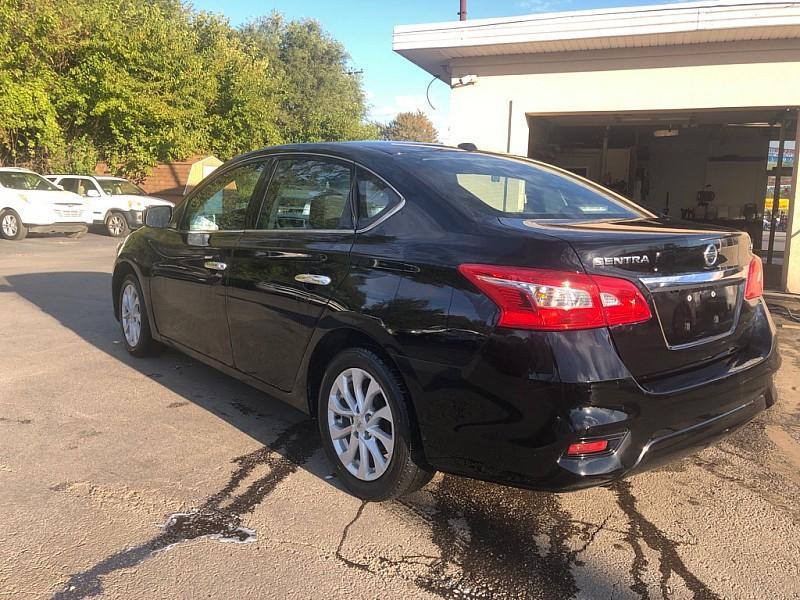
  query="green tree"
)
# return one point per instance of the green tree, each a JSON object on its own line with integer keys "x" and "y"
{"x": 136, "y": 82}
{"x": 410, "y": 127}
{"x": 243, "y": 112}
{"x": 321, "y": 99}
{"x": 30, "y": 38}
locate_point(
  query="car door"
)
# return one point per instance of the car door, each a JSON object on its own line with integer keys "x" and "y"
{"x": 188, "y": 278}
{"x": 287, "y": 266}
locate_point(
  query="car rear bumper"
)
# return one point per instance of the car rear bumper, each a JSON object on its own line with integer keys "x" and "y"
{"x": 508, "y": 419}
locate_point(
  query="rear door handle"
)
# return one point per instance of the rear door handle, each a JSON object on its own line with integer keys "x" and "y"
{"x": 215, "y": 265}
{"x": 313, "y": 279}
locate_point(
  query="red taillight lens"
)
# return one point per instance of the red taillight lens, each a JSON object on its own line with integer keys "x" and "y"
{"x": 592, "y": 447}
{"x": 755, "y": 280}
{"x": 554, "y": 300}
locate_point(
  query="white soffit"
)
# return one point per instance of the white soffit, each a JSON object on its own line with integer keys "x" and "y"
{"x": 431, "y": 46}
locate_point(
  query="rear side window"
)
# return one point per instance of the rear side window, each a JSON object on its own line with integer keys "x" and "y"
{"x": 308, "y": 194}
{"x": 375, "y": 198}
{"x": 518, "y": 188}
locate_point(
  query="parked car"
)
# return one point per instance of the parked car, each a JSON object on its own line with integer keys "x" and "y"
{"x": 30, "y": 203}
{"x": 441, "y": 309}
{"x": 116, "y": 203}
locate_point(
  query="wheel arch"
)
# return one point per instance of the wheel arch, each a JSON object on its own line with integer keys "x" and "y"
{"x": 337, "y": 340}
{"x": 121, "y": 270}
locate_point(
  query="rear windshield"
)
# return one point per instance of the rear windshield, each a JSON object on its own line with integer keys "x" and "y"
{"x": 518, "y": 188}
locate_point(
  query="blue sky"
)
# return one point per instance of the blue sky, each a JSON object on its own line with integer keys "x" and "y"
{"x": 365, "y": 28}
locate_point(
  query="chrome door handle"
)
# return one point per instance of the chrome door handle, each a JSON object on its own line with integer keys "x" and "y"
{"x": 314, "y": 279}
{"x": 215, "y": 265}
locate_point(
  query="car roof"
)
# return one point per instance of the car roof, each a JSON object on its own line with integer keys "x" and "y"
{"x": 68, "y": 175}
{"x": 17, "y": 170}
{"x": 112, "y": 177}
{"x": 357, "y": 150}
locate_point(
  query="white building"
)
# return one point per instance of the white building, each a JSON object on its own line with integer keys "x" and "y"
{"x": 660, "y": 102}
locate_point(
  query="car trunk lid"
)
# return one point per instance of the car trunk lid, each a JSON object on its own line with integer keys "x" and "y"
{"x": 693, "y": 277}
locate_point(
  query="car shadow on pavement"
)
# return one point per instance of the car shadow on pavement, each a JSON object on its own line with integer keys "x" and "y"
{"x": 491, "y": 541}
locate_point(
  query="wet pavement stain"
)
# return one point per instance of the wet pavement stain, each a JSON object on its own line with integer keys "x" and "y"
{"x": 245, "y": 410}
{"x": 641, "y": 530}
{"x": 177, "y": 404}
{"x": 487, "y": 536}
{"x": 219, "y": 517}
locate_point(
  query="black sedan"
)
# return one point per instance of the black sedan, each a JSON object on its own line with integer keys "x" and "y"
{"x": 443, "y": 309}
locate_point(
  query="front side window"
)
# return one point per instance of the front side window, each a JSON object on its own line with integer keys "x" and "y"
{"x": 221, "y": 204}
{"x": 308, "y": 194}
{"x": 519, "y": 188}
{"x": 20, "y": 180}
{"x": 375, "y": 198}
{"x": 70, "y": 184}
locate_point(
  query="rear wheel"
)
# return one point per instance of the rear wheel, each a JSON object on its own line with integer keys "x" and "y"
{"x": 365, "y": 427}
{"x": 133, "y": 319}
{"x": 116, "y": 225}
{"x": 11, "y": 227}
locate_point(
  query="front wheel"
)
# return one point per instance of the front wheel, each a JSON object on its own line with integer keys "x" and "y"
{"x": 11, "y": 226}
{"x": 116, "y": 225}
{"x": 365, "y": 426}
{"x": 133, "y": 319}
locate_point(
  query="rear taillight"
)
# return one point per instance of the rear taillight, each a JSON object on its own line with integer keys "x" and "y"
{"x": 556, "y": 300}
{"x": 755, "y": 280}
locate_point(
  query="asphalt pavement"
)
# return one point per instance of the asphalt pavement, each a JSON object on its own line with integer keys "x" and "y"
{"x": 162, "y": 478}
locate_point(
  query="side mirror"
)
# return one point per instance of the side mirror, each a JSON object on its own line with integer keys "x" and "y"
{"x": 158, "y": 216}
{"x": 92, "y": 194}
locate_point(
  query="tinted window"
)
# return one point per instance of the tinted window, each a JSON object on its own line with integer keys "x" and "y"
{"x": 221, "y": 204}
{"x": 375, "y": 198}
{"x": 518, "y": 188}
{"x": 83, "y": 185}
{"x": 70, "y": 184}
{"x": 308, "y": 194}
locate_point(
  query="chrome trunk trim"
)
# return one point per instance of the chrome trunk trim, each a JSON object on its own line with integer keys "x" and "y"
{"x": 655, "y": 284}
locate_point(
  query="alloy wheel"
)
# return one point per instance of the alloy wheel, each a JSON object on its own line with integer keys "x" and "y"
{"x": 116, "y": 225}
{"x": 10, "y": 225}
{"x": 361, "y": 425}
{"x": 131, "y": 314}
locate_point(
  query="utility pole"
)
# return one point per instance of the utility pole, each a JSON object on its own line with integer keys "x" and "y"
{"x": 462, "y": 11}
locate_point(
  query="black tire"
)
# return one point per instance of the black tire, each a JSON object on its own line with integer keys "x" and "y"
{"x": 74, "y": 235}
{"x": 116, "y": 224}
{"x": 402, "y": 475}
{"x": 9, "y": 217}
{"x": 144, "y": 345}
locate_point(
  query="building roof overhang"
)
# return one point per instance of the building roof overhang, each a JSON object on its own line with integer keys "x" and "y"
{"x": 433, "y": 46}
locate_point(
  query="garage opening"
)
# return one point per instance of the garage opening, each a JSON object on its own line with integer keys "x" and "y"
{"x": 715, "y": 166}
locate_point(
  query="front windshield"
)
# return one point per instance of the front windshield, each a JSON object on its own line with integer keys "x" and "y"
{"x": 120, "y": 187}
{"x": 517, "y": 188}
{"x": 22, "y": 180}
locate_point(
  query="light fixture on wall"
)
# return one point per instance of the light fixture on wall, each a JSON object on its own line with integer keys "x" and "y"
{"x": 666, "y": 132}
{"x": 464, "y": 80}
